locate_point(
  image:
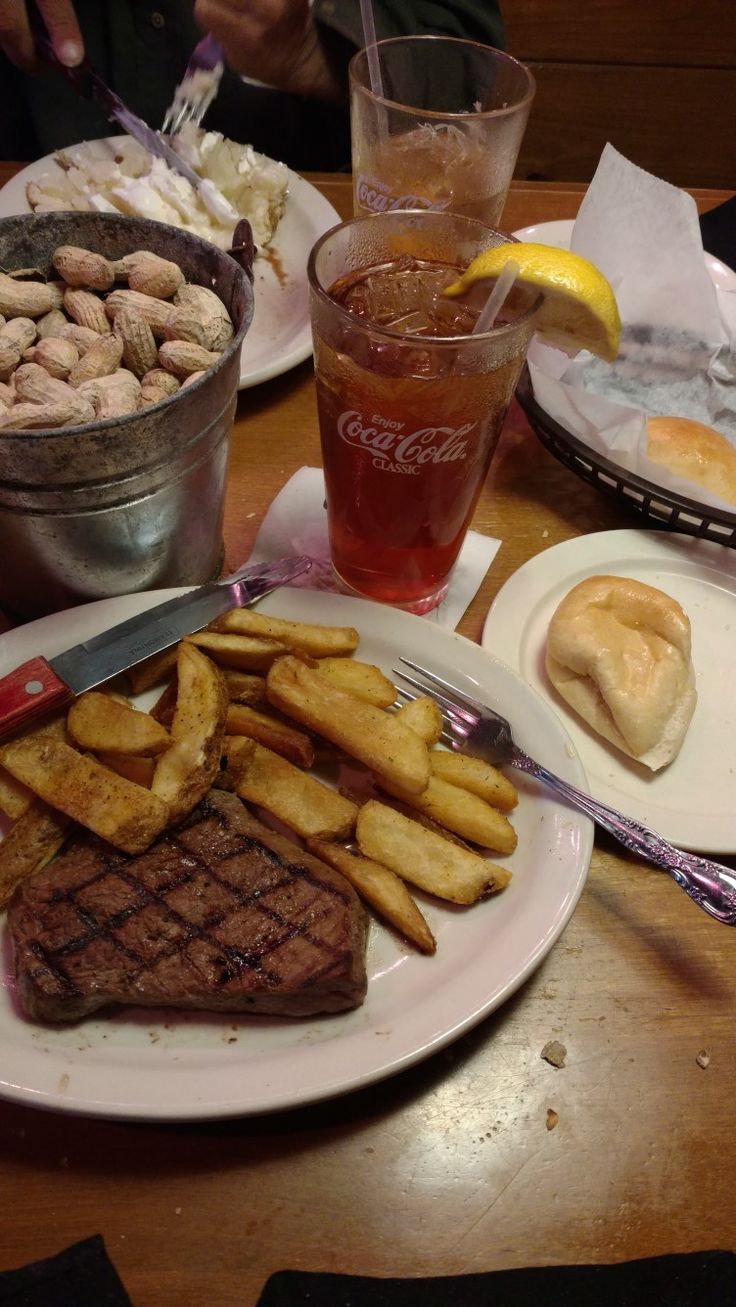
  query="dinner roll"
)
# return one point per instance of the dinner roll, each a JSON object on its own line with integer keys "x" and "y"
{"x": 694, "y": 452}
{"x": 618, "y": 652}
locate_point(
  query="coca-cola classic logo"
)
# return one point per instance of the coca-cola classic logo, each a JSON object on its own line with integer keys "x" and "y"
{"x": 394, "y": 449}
{"x": 376, "y": 196}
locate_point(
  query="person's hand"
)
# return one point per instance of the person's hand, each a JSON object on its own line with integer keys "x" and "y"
{"x": 274, "y": 41}
{"x": 15, "y": 34}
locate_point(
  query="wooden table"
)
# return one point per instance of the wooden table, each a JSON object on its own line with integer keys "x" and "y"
{"x": 449, "y": 1167}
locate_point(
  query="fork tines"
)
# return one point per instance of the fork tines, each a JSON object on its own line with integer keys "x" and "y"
{"x": 459, "y": 705}
{"x": 194, "y": 94}
{"x": 459, "y": 712}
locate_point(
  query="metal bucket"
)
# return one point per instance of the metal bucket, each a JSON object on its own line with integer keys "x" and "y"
{"x": 130, "y": 503}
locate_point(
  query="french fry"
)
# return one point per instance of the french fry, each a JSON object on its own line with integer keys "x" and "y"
{"x": 97, "y": 721}
{"x": 424, "y": 858}
{"x": 163, "y": 709}
{"x": 462, "y": 812}
{"x": 381, "y": 888}
{"x": 138, "y": 770}
{"x": 236, "y": 750}
{"x": 424, "y": 716}
{"x": 244, "y": 687}
{"x": 376, "y": 738}
{"x": 152, "y": 670}
{"x": 363, "y": 679}
{"x": 295, "y": 797}
{"x": 422, "y": 818}
{"x": 125, "y": 814}
{"x": 276, "y": 735}
{"x": 186, "y": 771}
{"x": 15, "y": 798}
{"x": 244, "y": 652}
{"x": 475, "y": 775}
{"x": 319, "y": 641}
{"x": 32, "y": 841}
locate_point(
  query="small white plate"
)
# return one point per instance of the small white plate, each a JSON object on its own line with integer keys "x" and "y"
{"x": 167, "y": 1065}
{"x": 280, "y": 336}
{"x": 690, "y": 802}
{"x": 559, "y": 234}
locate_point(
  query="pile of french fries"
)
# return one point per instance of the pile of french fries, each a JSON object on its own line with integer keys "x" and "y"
{"x": 251, "y": 704}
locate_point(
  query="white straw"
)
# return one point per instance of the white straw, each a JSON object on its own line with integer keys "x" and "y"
{"x": 369, "y": 38}
{"x": 494, "y": 303}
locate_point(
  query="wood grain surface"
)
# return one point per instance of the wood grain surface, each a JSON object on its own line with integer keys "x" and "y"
{"x": 449, "y": 1167}
{"x": 655, "y": 79}
{"x": 662, "y": 33}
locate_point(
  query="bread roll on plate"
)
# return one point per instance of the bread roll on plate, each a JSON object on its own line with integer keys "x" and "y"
{"x": 694, "y": 452}
{"x": 618, "y": 652}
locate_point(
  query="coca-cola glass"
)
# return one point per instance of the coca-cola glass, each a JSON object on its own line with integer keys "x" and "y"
{"x": 411, "y": 402}
{"x": 441, "y": 130}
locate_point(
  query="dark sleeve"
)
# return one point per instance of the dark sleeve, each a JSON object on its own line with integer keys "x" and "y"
{"x": 476, "y": 20}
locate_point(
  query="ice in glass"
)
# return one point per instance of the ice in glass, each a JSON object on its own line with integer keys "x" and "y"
{"x": 443, "y": 131}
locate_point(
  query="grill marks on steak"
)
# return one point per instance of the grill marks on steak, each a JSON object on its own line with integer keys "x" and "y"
{"x": 220, "y": 913}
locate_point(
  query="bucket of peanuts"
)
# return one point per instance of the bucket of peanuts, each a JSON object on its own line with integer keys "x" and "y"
{"x": 120, "y": 345}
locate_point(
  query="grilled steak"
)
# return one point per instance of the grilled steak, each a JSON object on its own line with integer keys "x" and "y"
{"x": 220, "y": 913}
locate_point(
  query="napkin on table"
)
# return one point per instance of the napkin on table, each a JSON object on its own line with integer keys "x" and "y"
{"x": 296, "y": 523}
{"x": 678, "y": 340}
{"x": 83, "y": 1276}
{"x": 718, "y": 229}
{"x": 681, "y": 1280}
{"x": 80, "y": 1276}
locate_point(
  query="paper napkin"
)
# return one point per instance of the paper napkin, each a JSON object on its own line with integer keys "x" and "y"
{"x": 296, "y": 523}
{"x": 80, "y": 1276}
{"x": 678, "y": 340}
{"x": 680, "y": 1280}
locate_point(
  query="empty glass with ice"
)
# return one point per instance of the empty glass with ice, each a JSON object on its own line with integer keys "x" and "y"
{"x": 411, "y": 402}
{"x": 436, "y": 123}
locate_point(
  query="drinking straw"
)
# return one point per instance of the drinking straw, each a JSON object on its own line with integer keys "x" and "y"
{"x": 494, "y": 303}
{"x": 369, "y": 38}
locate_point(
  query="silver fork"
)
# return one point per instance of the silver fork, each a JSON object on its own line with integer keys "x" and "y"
{"x": 196, "y": 91}
{"x": 488, "y": 734}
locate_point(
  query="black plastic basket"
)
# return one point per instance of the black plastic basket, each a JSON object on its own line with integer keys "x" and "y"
{"x": 660, "y": 507}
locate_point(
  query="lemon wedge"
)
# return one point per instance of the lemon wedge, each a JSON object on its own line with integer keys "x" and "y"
{"x": 579, "y": 309}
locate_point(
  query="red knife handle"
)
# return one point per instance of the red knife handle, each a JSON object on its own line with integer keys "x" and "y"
{"x": 28, "y": 692}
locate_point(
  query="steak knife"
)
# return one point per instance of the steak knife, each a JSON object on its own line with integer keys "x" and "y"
{"x": 41, "y": 684}
{"x": 90, "y": 86}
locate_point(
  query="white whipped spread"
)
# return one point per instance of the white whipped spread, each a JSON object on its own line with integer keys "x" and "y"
{"x": 121, "y": 176}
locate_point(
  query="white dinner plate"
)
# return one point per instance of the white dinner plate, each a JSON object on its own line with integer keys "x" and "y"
{"x": 559, "y": 233}
{"x": 173, "y": 1065}
{"x": 280, "y": 335}
{"x": 691, "y": 801}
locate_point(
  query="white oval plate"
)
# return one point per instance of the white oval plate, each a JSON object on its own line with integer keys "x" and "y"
{"x": 167, "y": 1065}
{"x": 690, "y": 802}
{"x": 559, "y": 233}
{"x": 280, "y": 336}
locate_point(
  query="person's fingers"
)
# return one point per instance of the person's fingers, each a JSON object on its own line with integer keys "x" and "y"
{"x": 66, "y": 38}
{"x": 266, "y": 39}
{"x": 15, "y": 36}
{"x": 240, "y": 30}
{"x": 16, "y": 39}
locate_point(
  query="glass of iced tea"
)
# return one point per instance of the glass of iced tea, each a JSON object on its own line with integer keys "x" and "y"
{"x": 443, "y": 128}
{"x": 411, "y": 402}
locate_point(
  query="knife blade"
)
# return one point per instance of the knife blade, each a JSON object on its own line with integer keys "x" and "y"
{"x": 41, "y": 684}
{"x": 90, "y": 86}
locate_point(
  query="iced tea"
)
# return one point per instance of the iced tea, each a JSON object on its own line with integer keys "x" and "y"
{"x": 411, "y": 406}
